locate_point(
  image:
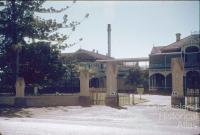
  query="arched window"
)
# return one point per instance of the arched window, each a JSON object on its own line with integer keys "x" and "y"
{"x": 169, "y": 81}
{"x": 191, "y": 55}
{"x": 157, "y": 81}
{"x": 192, "y": 49}
{"x": 193, "y": 80}
{"x": 94, "y": 83}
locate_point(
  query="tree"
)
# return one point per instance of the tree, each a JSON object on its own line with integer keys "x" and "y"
{"x": 137, "y": 77}
{"x": 22, "y": 31}
{"x": 41, "y": 64}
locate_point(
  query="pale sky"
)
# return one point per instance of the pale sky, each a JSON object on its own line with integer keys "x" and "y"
{"x": 136, "y": 26}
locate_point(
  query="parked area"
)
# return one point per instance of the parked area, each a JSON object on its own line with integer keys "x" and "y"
{"x": 153, "y": 117}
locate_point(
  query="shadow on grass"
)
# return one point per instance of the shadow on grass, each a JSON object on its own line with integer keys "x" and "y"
{"x": 11, "y": 112}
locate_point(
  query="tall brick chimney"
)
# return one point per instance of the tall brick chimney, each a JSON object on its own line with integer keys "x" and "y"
{"x": 109, "y": 40}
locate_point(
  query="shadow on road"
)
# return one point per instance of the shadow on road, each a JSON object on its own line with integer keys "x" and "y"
{"x": 11, "y": 112}
{"x": 118, "y": 107}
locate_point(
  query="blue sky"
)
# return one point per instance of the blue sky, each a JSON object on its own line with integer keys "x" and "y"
{"x": 136, "y": 26}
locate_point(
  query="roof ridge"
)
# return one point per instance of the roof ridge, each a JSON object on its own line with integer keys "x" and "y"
{"x": 179, "y": 44}
{"x": 181, "y": 40}
{"x": 91, "y": 53}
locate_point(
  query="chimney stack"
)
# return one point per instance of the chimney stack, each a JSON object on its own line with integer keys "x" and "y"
{"x": 178, "y": 37}
{"x": 109, "y": 40}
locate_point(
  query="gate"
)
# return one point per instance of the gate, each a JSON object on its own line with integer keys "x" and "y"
{"x": 125, "y": 99}
{"x": 192, "y": 99}
{"x": 98, "y": 95}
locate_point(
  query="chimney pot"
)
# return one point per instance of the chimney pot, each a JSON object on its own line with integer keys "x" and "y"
{"x": 178, "y": 37}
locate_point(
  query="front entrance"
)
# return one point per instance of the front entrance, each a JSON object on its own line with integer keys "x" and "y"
{"x": 98, "y": 95}
{"x": 192, "y": 99}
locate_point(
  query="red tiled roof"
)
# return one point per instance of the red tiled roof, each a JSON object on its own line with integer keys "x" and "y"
{"x": 85, "y": 55}
{"x": 95, "y": 55}
{"x": 176, "y": 46}
{"x": 156, "y": 49}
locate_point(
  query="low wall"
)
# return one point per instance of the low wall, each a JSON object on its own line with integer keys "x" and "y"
{"x": 7, "y": 100}
{"x": 41, "y": 101}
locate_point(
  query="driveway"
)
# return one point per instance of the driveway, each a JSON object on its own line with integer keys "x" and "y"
{"x": 155, "y": 117}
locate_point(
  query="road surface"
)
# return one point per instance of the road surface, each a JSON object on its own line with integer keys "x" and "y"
{"x": 155, "y": 117}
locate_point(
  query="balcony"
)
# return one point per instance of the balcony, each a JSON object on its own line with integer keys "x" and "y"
{"x": 158, "y": 66}
{"x": 192, "y": 60}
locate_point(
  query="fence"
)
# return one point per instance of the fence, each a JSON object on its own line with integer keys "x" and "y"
{"x": 192, "y": 99}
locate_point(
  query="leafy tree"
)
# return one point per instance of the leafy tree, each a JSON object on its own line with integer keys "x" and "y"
{"x": 145, "y": 79}
{"x": 28, "y": 41}
{"x": 41, "y": 64}
{"x": 137, "y": 77}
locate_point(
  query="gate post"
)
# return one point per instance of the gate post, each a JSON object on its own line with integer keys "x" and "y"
{"x": 111, "y": 84}
{"x": 84, "y": 98}
{"x": 20, "y": 101}
{"x": 177, "y": 98}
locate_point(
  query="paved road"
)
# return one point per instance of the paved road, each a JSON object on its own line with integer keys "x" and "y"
{"x": 152, "y": 118}
{"x": 156, "y": 100}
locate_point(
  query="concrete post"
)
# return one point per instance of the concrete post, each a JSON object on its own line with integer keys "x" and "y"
{"x": 84, "y": 98}
{"x": 20, "y": 86}
{"x": 150, "y": 83}
{"x": 111, "y": 84}
{"x": 35, "y": 90}
{"x": 177, "y": 82}
{"x": 20, "y": 101}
